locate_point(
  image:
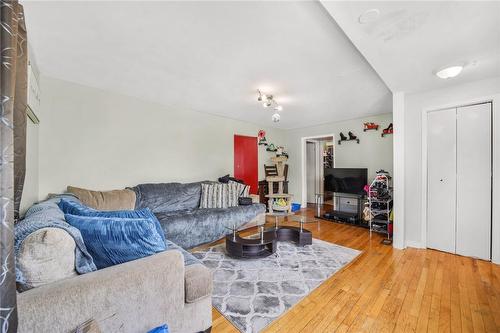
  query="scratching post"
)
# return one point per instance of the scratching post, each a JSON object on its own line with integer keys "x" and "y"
{"x": 278, "y": 201}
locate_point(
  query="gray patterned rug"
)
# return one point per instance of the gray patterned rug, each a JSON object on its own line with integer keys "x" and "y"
{"x": 253, "y": 293}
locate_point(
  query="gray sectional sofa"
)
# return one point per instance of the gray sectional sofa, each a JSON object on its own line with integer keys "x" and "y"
{"x": 176, "y": 206}
{"x": 170, "y": 287}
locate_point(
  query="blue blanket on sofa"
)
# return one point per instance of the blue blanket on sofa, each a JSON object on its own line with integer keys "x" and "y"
{"x": 47, "y": 214}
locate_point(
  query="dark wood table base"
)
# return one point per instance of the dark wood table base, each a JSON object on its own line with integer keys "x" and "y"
{"x": 261, "y": 247}
{"x": 295, "y": 234}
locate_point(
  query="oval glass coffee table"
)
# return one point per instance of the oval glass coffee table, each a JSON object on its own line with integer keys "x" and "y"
{"x": 259, "y": 245}
{"x": 263, "y": 243}
{"x": 298, "y": 235}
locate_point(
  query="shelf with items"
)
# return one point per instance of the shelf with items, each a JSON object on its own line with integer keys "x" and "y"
{"x": 347, "y": 140}
{"x": 380, "y": 205}
{"x": 328, "y": 156}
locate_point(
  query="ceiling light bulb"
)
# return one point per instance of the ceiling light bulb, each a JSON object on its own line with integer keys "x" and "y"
{"x": 278, "y": 108}
{"x": 276, "y": 117}
{"x": 449, "y": 72}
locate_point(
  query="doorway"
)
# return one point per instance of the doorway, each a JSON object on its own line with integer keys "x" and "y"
{"x": 318, "y": 154}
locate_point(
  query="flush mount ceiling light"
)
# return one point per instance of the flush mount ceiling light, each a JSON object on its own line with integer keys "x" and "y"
{"x": 369, "y": 16}
{"x": 269, "y": 101}
{"x": 449, "y": 72}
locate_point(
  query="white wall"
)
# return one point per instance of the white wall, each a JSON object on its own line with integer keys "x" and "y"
{"x": 102, "y": 140}
{"x": 30, "y": 189}
{"x": 414, "y": 105}
{"x": 373, "y": 151}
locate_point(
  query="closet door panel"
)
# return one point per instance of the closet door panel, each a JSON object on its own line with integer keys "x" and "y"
{"x": 474, "y": 181}
{"x": 441, "y": 180}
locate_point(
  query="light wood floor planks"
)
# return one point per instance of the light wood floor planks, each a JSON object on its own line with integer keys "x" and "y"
{"x": 389, "y": 290}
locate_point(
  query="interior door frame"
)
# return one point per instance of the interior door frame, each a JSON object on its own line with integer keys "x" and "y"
{"x": 304, "y": 162}
{"x": 495, "y": 200}
{"x": 316, "y": 165}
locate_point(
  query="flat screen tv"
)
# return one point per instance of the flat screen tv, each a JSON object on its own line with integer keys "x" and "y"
{"x": 346, "y": 180}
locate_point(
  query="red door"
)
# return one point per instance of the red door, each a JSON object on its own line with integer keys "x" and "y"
{"x": 246, "y": 161}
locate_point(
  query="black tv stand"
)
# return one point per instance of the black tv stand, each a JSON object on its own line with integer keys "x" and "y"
{"x": 340, "y": 216}
{"x": 347, "y": 209}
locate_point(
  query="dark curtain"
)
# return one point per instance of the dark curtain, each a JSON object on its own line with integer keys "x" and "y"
{"x": 20, "y": 104}
{"x": 13, "y": 88}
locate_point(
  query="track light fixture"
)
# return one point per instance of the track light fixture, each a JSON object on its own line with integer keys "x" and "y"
{"x": 269, "y": 101}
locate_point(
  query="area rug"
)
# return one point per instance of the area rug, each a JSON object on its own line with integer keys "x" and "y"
{"x": 253, "y": 293}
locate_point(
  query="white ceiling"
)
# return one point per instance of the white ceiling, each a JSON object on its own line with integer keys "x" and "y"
{"x": 412, "y": 39}
{"x": 211, "y": 57}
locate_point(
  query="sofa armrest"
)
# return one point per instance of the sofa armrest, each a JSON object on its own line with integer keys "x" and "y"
{"x": 198, "y": 283}
{"x": 132, "y": 297}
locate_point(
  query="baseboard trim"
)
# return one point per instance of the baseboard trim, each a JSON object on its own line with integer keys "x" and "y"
{"x": 415, "y": 245}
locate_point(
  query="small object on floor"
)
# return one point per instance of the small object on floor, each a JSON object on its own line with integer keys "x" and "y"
{"x": 295, "y": 207}
{"x": 352, "y": 136}
{"x": 343, "y": 137}
{"x": 386, "y": 241}
{"x": 159, "y": 329}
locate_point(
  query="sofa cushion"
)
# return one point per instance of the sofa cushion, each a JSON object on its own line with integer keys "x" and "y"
{"x": 75, "y": 208}
{"x": 105, "y": 200}
{"x": 242, "y": 189}
{"x": 38, "y": 234}
{"x": 168, "y": 197}
{"x": 215, "y": 195}
{"x": 197, "y": 283}
{"x": 45, "y": 256}
{"x": 190, "y": 228}
{"x": 113, "y": 241}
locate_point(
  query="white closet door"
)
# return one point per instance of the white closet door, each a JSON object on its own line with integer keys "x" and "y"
{"x": 441, "y": 180}
{"x": 474, "y": 181}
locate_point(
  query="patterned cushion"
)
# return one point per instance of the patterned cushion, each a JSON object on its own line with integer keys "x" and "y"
{"x": 242, "y": 189}
{"x": 218, "y": 195}
{"x": 214, "y": 195}
{"x": 233, "y": 193}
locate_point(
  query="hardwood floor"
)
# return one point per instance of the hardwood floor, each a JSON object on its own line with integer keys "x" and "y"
{"x": 389, "y": 290}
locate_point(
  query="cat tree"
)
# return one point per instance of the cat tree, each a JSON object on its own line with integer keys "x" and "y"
{"x": 278, "y": 202}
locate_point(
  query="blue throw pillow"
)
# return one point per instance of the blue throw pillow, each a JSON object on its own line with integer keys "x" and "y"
{"x": 111, "y": 240}
{"x": 76, "y": 208}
